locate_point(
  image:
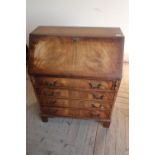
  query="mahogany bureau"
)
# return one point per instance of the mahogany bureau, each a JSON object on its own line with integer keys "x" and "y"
{"x": 76, "y": 71}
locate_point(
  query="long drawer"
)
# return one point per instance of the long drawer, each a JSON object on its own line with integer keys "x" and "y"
{"x": 76, "y": 83}
{"x": 79, "y": 104}
{"x": 66, "y": 112}
{"x": 72, "y": 94}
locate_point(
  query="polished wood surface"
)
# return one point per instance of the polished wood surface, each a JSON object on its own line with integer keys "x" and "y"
{"x": 82, "y": 113}
{"x": 74, "y": 94}
{"x": 95, "y": 58}
{"x": 76, "y": 76}
{"x": 97, "y": 85}
{"x": 76, "y": 103}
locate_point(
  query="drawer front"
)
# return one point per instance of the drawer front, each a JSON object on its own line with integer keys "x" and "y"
{"x": 79, "y": 104}
{"x": 60, "y": 112}
{"x": 66, "y": 112}
{"x": 62, "y": 103}
{"x": 92, "y": 95}
{"x": 58, "y": 93}
{"x": 95, "y": 114}
{"x": 64, "y": 93}
{"x": 75, "y": 83}
{"x": 100, "y": 105}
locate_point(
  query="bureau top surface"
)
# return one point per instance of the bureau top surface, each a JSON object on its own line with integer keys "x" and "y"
{"x": 78, "y": 31}
{"x": 54, "y": 54}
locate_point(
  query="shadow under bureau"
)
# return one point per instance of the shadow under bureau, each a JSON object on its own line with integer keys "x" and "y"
{"x": 76, "y": 71}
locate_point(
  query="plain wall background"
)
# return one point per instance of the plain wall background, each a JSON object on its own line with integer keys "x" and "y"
{"x": 95, "y": 13}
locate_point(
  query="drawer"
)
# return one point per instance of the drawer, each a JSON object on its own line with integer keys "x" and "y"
{"x": 75, "y": 83}
{"x": 60, "y": 112}
{"x": 80, "y": 104}
{"x": 95, "y": 114}
{"x": 100, "y": 105}
{"x": 92, "y": 95}
{"x": 62, "y": 103}
{"x": 58, "y": 93}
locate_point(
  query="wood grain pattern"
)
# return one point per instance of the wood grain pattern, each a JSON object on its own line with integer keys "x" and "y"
{"x": 97, "y": 58}
{"x": 51, "y": 54}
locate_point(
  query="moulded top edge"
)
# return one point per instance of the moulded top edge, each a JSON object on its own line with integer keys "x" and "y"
{"x": 78, "y": 31}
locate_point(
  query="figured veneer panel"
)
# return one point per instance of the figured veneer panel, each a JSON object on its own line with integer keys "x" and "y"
{"x": 60, "y": 56}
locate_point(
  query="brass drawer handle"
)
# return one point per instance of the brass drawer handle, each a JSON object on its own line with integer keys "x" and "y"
{"x": 50, "y": 84}
{"x": 97, "y": 105}
{"x": 94, "y": 85}
{"x": 97, "y": 97}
